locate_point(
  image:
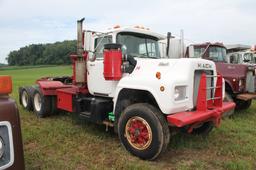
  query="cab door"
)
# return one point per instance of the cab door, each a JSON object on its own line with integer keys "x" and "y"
{"x": 97, "y": 84}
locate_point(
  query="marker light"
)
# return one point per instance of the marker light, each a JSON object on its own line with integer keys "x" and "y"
{"x": 116, "y": 26}
{"x": 162, "y": 88}
{"x": 5, "y": 84}
{"x": 158, "y": 75}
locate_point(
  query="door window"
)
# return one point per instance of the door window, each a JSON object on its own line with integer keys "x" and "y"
{"x": 99, "y": 45}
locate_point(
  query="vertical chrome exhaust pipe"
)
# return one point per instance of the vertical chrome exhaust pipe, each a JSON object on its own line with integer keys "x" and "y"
{"x": 80, "y": 63}
{"x": 80, "y": 48}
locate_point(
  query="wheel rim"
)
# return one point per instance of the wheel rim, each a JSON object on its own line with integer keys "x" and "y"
{"x": 24, "y": 98}
{"x": 37, "y": 102}
{"x": 138, "y": 133}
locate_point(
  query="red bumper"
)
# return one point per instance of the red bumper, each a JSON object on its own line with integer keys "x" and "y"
{"x": 189, "y": 118}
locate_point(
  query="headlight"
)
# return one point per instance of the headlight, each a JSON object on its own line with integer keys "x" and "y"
{"x": 179, "y": 93}
{"x": 1, "y": 147}
{"x": 6, "y": 145}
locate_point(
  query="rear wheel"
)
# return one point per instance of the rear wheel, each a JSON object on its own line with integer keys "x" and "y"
{"x": 242, "y": 104}
{"x": 42, "y": 104}
{"x": 143, "y": 131}
{"x": 25, "y": 95}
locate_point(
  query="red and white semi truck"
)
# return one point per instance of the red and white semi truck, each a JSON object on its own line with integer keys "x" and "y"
{"x": 120, "y": 80}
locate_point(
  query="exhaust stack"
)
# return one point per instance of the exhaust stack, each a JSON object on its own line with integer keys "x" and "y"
{"x": 79, "y": 62}
{"x": 80, "y": 48}
{"x": 169, "y": 35}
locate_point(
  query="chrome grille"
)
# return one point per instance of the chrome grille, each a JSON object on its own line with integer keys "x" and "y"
{"x": 209, "y": 84}
{"x": 250, "y": 82}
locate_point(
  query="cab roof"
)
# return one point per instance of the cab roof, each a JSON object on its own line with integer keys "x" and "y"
{"x": 203, "y": 45}
{"x": 136, "y": 30}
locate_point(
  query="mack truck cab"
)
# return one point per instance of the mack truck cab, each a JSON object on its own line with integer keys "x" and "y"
{"x": 120, "y": 80}
{"x": 11, "y": 149}
{"x": 239, "y": 78}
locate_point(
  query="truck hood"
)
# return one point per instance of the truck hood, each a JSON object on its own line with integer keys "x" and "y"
{"x": 232, "y": 70}
{"x": 173, "y": 73}
{"x": 153, "y": 65}
{"x": 170, "y": 66}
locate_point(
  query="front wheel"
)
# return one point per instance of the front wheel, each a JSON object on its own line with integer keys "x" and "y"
{"x": 204, "y": 129}
{"x": 228, "y": 98}
{"x": 143, "y": 131}
{"x": 242, "y": 104}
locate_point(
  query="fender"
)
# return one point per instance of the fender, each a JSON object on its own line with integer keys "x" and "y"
{"x": 49, "y": 87}
{"x": 229, "y": 84}
{"x": 146, "y": 89}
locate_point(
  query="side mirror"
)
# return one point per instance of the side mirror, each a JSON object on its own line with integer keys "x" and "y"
{"x": 91, "y": 56}
{"x": 124, "y": 49}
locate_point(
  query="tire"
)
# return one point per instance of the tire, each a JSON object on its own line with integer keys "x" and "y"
{"x": 228, "y": 98}
{"x": 204, "y": 129}
{"x": 242, "y": 104}
{"x": 54, "y": 109}
{"x": 42, "y": 104}
{"x": 25, "y": 97}
{"x": 138, "y": 117}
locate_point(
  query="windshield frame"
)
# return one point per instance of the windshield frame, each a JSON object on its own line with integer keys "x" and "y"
{"x": 146, "y": 37}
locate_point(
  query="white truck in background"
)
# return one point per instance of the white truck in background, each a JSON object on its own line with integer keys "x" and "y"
{"x": 241, "y": 54}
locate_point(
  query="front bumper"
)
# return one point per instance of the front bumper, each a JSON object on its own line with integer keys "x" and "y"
{"x": 214, "y": 114}
{"x": 246, "y": 96}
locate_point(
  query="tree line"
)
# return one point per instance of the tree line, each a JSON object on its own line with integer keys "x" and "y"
{"x": 43, "y": 54}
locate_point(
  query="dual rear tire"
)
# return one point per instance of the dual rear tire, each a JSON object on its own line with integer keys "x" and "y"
{"x": 42, "y": 104}
{"x": 25, "y": 97}
{"x": 32, "y": 99}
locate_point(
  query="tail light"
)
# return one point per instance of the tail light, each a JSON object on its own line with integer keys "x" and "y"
{"x": 5, "y": 85}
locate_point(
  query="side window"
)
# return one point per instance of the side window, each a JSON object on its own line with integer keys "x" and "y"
{"x": 234, "y": 59}
{"x": 148, "y": 49}
{"x": 99, "y": 45}
{"x": 151, "y": 49}
{"x": 142, "y": 49}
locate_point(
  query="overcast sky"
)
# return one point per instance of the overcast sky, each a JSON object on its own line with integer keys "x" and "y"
{"x": 23, "y": 22}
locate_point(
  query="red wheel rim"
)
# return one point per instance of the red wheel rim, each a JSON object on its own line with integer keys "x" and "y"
{"x": 138, "y": 133}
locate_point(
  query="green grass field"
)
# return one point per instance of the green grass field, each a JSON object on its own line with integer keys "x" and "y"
{"x": 64, "y": 142}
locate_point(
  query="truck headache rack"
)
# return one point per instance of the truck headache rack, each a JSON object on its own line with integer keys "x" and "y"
{"x": 207, "y": 109}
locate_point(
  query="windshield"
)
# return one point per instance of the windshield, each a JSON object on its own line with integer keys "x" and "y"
{"x": 217, "y": 53}
{"x": 198, "y": 51}
{"x": 248, "y": 58}
{"x": 139, "y": 45}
